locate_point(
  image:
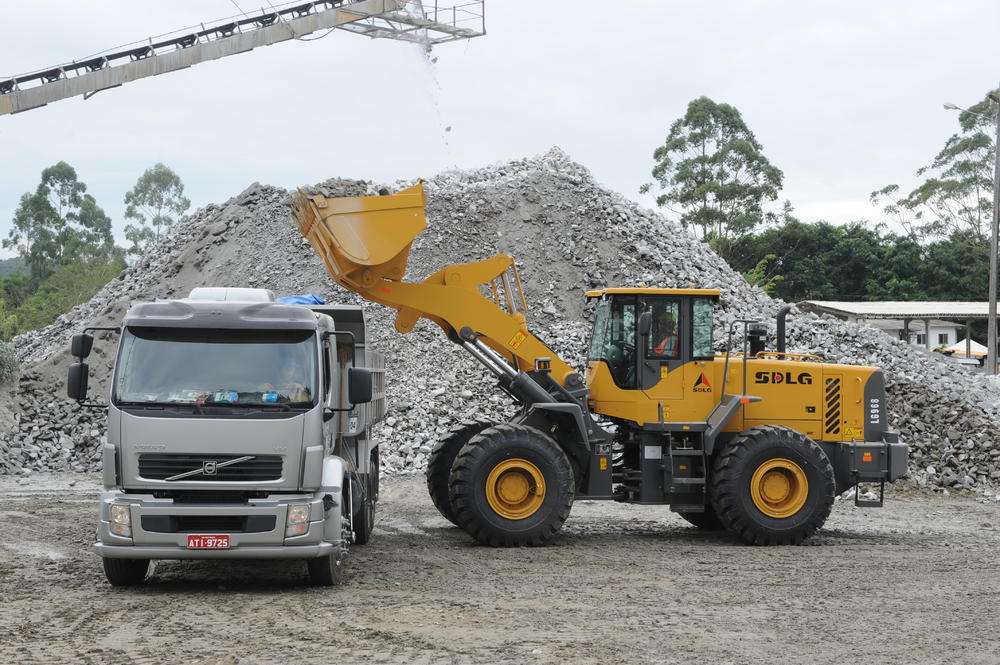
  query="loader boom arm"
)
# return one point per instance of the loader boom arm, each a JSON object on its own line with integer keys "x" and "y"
{"x": 365, "y": 244}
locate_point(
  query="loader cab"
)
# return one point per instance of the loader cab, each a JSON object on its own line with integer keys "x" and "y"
{"x": 641, "y": 335}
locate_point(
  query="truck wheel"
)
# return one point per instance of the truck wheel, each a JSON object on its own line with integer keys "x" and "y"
{"x": 511, "y": 486}
{"x": 364, "y": 521}
{"x": 772, "y": 485}
{"x": 327, "y": 570}
{"x": 440, "y": 462}
{"x": 706, "y": 521}
{"x": 125, "y": 572}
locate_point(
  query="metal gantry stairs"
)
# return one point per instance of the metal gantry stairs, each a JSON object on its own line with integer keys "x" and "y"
{"x": 426, "y": 22}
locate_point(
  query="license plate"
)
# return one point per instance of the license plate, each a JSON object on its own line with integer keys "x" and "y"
{"x": 206, "y": 542}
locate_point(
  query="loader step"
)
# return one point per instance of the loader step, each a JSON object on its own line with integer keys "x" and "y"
{"x": 688, "y": 481}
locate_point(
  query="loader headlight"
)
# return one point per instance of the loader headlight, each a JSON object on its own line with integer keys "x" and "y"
{"x": 121, "y": 519}
{"x": 298, "y": 520}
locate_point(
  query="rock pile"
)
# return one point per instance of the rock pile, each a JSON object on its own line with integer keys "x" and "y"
{"x": 568, "y": 234}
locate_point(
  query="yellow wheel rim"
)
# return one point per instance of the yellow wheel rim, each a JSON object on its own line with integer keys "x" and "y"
{"x": 779, "y": 488}
{"x": 515, "y": 489}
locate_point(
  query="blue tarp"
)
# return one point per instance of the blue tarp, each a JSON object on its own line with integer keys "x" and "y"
{"x": 305, "y": 299}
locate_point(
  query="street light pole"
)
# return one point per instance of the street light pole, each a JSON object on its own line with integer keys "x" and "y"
{"x": 991, "y": 324}
{"x": 991, "y": 330}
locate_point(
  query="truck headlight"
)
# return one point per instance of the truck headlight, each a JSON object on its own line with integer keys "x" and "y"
{"x": 121, "y": 520}
{"x": 298, "y": 520}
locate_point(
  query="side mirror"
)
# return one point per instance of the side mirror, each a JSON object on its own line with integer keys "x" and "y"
{"x": 79, "y": 376}
{"x": 645, "y": 323}
{"x": 359, "y": 385}
{"x": 81, "y": 345}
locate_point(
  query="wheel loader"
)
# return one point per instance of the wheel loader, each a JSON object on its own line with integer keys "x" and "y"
{"x": 755, "y": 441}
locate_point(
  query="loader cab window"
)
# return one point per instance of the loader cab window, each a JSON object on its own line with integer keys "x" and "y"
{"x": 613, "y": 341}
{"x": 702, "y": 313}
{"x": 664, "y": 340}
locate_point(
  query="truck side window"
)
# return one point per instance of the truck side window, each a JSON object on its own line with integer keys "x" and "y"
{"x": 326, "y": 369}
{"x": 664, "y": 341}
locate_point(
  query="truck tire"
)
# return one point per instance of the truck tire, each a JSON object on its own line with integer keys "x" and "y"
{"x": 327, "y": 570}
{"x": 772, "y": 485}
{"x": 125, "y": 572}
{"x": 511, "y": 485}
{"x": 706, "y": 521}
{"x": 440, "y": 462}
{"x": 364, "y": 521}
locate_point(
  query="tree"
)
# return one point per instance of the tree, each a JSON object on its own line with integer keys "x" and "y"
{"x": 712, "y": 168}
{"x": 957, "y": 194}
{"x": 818, "y": 261}
{"x": 157, "y": 203}
{"x": 58, "y": 223}
{"x": 69, "y": 285}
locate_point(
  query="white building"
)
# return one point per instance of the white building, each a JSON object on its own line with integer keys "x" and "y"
{"x": 928, "y": 324}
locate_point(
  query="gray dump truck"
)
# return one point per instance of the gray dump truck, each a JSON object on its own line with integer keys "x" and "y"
{"x": 238, "y": 428}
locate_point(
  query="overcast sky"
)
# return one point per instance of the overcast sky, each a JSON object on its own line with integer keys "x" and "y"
{"x": 844, "y": 96}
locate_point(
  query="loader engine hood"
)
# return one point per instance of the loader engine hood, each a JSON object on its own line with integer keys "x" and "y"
{"x": 210, "y": 453}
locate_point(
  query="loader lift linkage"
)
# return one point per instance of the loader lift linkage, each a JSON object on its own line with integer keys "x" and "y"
{"x": 659, "y": 418}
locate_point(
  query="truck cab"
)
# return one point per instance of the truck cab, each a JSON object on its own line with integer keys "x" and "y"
{"x": 238, "y": 427}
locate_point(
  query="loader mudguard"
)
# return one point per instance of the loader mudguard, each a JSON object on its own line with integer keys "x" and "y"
{"x": 571, "y": 427}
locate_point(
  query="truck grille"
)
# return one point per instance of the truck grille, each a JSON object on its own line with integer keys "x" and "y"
{"x": 258, "y": 467}
{"x": 209, "y": 523}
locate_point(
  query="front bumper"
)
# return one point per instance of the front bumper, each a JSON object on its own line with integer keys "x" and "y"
{"x": 109, "y": 551}
{"x": 160, "y": 528}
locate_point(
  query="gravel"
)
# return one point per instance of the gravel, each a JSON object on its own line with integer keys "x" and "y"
{"x": 568, "y": 234}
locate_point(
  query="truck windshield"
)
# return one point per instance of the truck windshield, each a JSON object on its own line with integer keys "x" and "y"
{"x": 231, "y": 367}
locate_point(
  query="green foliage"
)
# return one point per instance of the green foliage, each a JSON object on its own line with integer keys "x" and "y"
{"x": 69, "y": 285}
{"x": 9, "y": 367}
{"x": 156, "y": 203}
{"x": 712, "y": 169}
{"x": 763, "y": 275}
{"x": 59, "y": 223}
{"x": 12, "y": 266}
{"x": 957, "y": 194}
{"x": 820, "y": 261}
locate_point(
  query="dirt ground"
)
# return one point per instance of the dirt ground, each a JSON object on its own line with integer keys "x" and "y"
{"x": 914, "y": 582}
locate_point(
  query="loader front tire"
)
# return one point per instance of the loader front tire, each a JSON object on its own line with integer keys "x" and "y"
{"x": 440, "y": 462}
{"x": 772, "y": 485}
{"x": 510, "y": 486}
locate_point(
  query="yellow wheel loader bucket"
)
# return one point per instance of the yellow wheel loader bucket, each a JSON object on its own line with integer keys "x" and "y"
{"x": 362, "y": 239}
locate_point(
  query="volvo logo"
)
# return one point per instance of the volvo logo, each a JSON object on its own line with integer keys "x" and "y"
{"x": 211, "y": 468}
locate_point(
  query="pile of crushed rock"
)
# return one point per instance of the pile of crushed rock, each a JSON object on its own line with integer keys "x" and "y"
{"x": 568, "y": 234}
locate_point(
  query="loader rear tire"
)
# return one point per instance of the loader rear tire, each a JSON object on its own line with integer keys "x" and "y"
{"x": 440, "y": 462}
{"x": 125, "y": 572}
{"x": 772, "y": 485}
{"x": 510, "y": 486}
